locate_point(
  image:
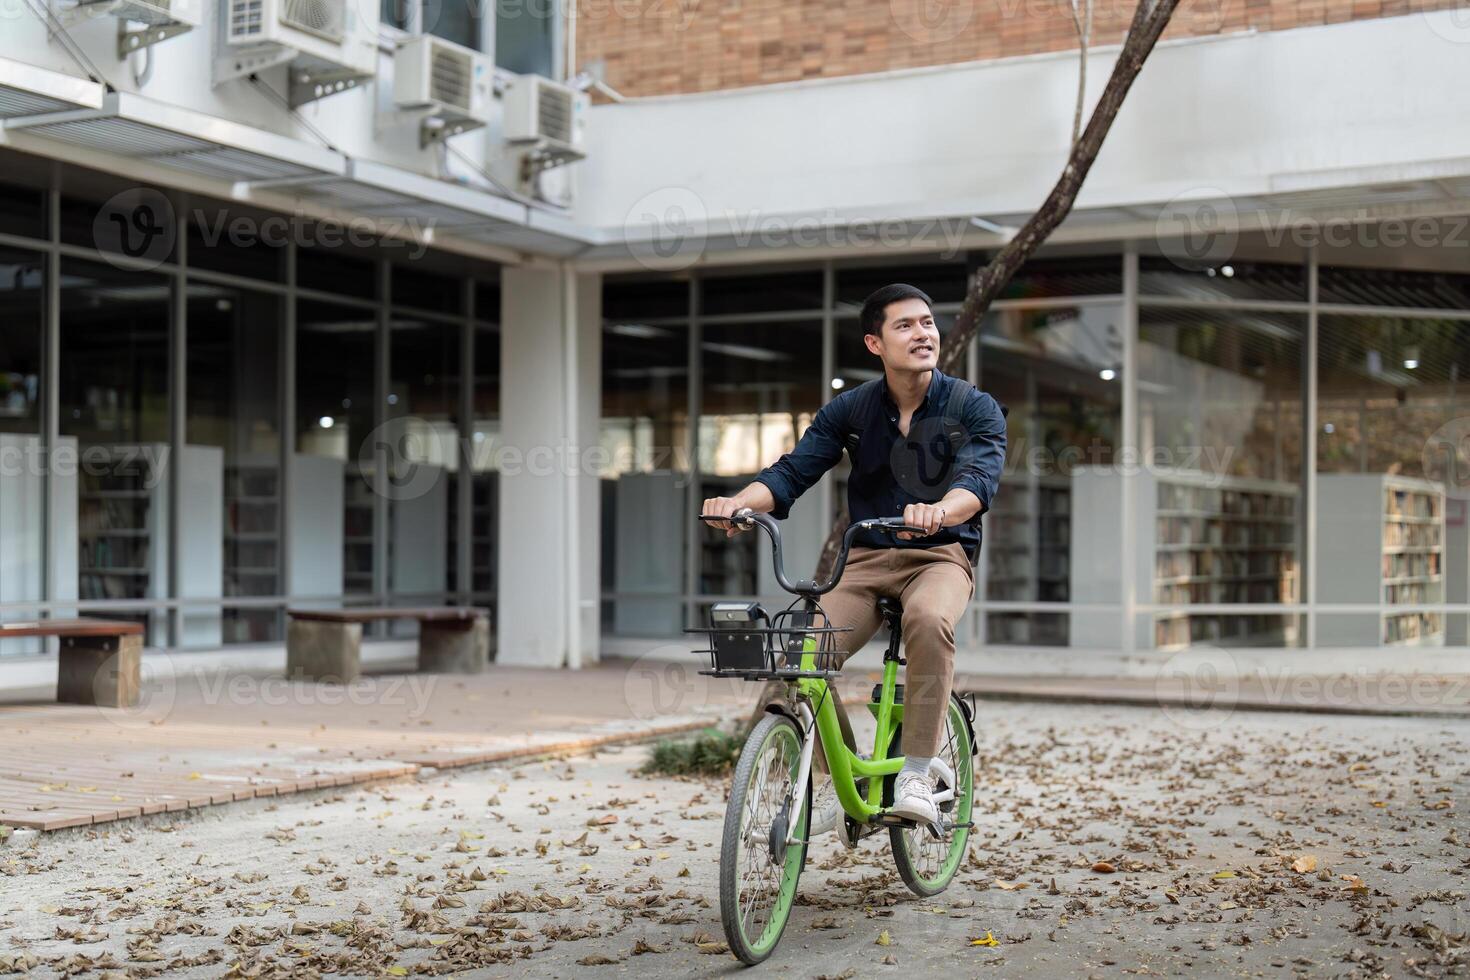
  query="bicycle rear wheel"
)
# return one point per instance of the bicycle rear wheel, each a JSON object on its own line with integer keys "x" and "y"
{"x": 758, "y": 870}
{"x": 926, "y": 863}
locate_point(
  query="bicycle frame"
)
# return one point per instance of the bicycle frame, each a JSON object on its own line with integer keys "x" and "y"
{"x": 844, "y": 765}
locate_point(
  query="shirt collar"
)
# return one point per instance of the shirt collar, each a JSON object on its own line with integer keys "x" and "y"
{"x": 936, "y": 380}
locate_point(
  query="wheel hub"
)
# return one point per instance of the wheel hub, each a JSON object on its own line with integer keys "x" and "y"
{"x": 777, "y": 841}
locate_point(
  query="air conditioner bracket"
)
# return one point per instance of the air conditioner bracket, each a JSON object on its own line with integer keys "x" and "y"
{"x": 438, "y": 129}
{"x": 308, "y": 86}
{"x": 131, "y": 37}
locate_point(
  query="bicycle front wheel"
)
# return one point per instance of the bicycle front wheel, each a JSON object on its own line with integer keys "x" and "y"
{"x": 927, "y": 863}
{"x": 758, "y": 870}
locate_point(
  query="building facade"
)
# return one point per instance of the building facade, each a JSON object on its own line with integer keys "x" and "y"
{"x": 266, "y": 346}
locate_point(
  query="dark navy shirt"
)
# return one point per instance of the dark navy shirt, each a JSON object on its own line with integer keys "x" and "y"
{"x": 957, "y": 438}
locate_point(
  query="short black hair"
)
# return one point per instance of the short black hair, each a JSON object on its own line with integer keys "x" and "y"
{"x": 875, "y": 307}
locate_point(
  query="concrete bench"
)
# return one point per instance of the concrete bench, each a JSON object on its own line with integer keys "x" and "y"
{"x": 326, "y": 644}
{"x": 100, "y": 658}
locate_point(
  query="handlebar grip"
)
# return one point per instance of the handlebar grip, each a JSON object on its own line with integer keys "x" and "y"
{"x": 733, "y": 518}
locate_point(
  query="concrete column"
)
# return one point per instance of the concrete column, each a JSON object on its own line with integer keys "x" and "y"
{"x": 551, "y": 400}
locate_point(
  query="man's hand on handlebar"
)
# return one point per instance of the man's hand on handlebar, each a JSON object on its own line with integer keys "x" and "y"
{"x": 724, "y": 507}
{"x": 928, "y": 516}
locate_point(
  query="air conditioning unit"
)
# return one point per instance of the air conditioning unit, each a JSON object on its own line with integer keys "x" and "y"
{"x": 452, "y": 82}
{"x": 328, "y": 43}
{"x": 553, "y": 116}
{"x": 140, "y": 22}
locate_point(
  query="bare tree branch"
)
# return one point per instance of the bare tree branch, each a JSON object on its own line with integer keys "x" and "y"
{"x": 1083, "y": 24}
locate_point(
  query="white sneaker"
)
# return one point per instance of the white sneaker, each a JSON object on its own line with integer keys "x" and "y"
{"x": 914, "y": 798}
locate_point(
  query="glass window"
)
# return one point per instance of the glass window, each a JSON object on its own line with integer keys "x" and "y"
{"x": 485, "y": 490}
{"x": 944, "y": 281}
{"x": 525, "y": 37}
{"x": 234, "y": 407}
{"x": 761, "y": 293}
{"x": 22, "y": 307}
{"x": 762, "y": 385}
{"x": 114, "y": 397}
{"x": 1058, "y": 371}
{"x": 238, "y": 241}
{"x": 1392, "y": 479}
{"x": 333, "y": 271}
{"x": 421, "y": 290}
{"x": 1227, "y": 279}
{"x": 1222, "y": 513}
{"x": 454, "y": 20}
{"x": 487, "y": 302}
{"x": 331, "y": 491}
{"x": 1411, "y": 288}
{"x": 1084, "y": 275}
{"x": 22, "y": 211}
{"x": 626, "y": 298}
{"x": 645, "y": 421}
{"x": 423, "y": 436}
{"x": 114, "y": 215}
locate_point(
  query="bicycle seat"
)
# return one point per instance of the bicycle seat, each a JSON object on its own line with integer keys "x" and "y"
{"x": 891, "y": 610}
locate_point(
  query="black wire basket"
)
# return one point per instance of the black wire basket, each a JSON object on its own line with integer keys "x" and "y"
{"x": 748, "y": 644}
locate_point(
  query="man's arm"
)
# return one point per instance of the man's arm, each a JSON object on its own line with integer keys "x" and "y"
{"x": 777, "y": 486}
{"x": 977, "y": 470}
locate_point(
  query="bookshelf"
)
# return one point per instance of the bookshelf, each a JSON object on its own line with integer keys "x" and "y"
{"x": 252, "y": 545}
{"x": 1027, "y": 549}
{"x": 1200, "y": 539}
{"x": 1382, "y": 540}
{"x": 122, "y": 533}
{"x": 357, "y": 532}
{"x": 484, "y": 501}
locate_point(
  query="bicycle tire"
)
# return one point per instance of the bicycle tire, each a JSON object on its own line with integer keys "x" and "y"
{"x": 751, "y": 950}
{"x": 927, "y": 874}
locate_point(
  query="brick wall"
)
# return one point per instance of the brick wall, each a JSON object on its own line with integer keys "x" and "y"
{"x": 654, "y": 47}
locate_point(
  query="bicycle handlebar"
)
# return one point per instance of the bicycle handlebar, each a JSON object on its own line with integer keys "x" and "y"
{"x": 745, "y": 517}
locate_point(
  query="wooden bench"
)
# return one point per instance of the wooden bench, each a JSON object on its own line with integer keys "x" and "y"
{"x": 326, "y": 644}
{"x": 100, "y": 658}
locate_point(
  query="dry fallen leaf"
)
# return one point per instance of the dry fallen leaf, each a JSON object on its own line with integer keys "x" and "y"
{"x": 1103, "y": 868}
{"x": 884, "y": 939}
{"x": 1010, "y": 886}
{"x": 987, "y": 940}
{"x": 1304, "y": 864}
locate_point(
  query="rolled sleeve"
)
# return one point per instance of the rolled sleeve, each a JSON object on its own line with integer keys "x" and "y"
{"x": 819, "y": 449}
{"x": 983, "y": 456}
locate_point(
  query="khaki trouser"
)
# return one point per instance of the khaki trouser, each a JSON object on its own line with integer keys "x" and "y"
{"x": 934, "y": 585}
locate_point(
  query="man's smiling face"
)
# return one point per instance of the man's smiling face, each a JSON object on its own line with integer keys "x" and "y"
{"x": 909, "y": 337}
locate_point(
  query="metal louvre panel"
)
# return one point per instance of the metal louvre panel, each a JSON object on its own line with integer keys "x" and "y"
{"x": 14, "y": 102}
{"x": 354, "y": 196}
{"x": 324, "y": 18}
{"x": 554, "y": 113}
{"x": 122, "y": 136}
{"x": 233, "y": 165}
{"x": 449, "y": 77}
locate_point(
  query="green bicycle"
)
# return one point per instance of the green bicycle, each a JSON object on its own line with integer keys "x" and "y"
{"x": 769, "y": 815}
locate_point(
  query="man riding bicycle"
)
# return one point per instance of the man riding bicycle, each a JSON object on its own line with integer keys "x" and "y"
{"x": 925, "y": 447}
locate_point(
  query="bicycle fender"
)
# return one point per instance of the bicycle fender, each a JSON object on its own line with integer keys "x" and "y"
{"x": 968, "y": 708}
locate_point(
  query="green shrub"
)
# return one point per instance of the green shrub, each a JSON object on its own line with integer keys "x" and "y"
{"x": 711, "y": 753}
